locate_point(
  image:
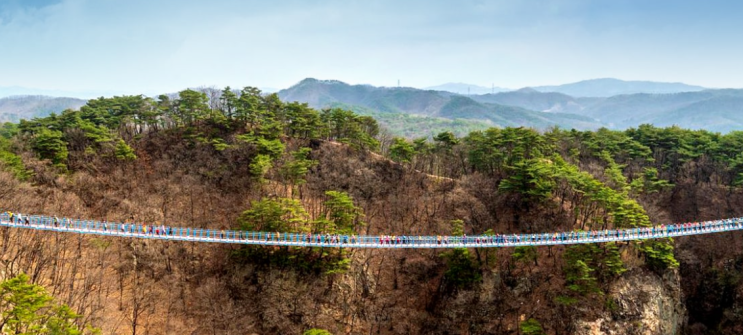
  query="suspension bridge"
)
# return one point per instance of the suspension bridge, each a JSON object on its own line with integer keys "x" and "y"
{"x": 162, "y": 232}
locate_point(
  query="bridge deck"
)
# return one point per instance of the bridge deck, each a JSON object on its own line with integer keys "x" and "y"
{"x": 132, "y": 230}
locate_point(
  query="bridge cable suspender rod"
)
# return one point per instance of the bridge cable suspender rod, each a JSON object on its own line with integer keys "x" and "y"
{"x": 162, "y": 232}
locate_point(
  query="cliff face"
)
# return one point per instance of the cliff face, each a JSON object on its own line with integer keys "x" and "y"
{"x": 640, "y": 303}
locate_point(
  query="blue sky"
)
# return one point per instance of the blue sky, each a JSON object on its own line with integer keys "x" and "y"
{"x": 138, "y": 46}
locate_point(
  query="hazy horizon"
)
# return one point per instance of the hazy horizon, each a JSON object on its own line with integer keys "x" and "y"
{"x": 89, "y": 94}
{"x": 135, "y": 46}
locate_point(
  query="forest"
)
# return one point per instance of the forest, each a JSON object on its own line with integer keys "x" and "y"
{"x": 242, "y": 159}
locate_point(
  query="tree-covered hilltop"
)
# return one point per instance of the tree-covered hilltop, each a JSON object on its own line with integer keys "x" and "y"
{"x": 241, "y": 159}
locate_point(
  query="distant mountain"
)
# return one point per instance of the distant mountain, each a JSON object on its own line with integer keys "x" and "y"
{"x": 269, "y": 89}
{"x": 13, "y": 109}
{"x": 723, "y": 114}
{"x": 534, "y": 100}
{"x": 414, "y": 112}
{"x": 462, "y": 88}
{"x": 714, "y": 110}
{"x": 9, "y": 91}
{"x": 327, "y": 93}
{"x": 607, "y": 87}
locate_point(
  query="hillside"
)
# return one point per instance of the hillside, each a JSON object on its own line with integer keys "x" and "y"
{"x": 531, "y": 99}
{"x": 16, "y": 108}
{"x": 416, "y": 126}
{"x": 321, "y": 94}
{"x": 723, "y": 113}
{"x": 606, "y": 87}
{"x": 261, "y": 164}
{"x": 683, "y": 109}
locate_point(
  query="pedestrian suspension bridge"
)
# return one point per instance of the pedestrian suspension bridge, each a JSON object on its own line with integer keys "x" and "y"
{"x": 161, "y": 232}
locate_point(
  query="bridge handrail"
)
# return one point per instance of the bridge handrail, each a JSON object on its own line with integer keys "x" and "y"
{"x": 141, "y": 230}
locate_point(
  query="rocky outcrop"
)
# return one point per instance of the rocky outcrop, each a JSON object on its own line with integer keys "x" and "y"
{"x": 640, "y": 303}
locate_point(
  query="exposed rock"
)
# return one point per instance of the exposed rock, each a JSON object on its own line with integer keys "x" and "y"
{"x": 640, "y": 303}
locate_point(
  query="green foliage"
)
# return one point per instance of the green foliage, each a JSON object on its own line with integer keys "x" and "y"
{"x": 302, "y": 121}
{"x": 518, "y": 156}
{"x": 612, "y": 259}
{"x": 532, "y": 178}
{"x": 525, "y": 254}
{"x": 249, "y": 105}
{"x": 285, "y": 215}
{"x": 341, "y": 213}
{"x": 272, "y": 148}
{"x": 457, "y": 227}
{"x": 260, "y": 165}
{"x": 462, "y": 271}
{"x": 619, "y": 209}
{"x": 228, "y": 101}
{"x": 659, "y": 253}
{"x": 12, "y": 162}
{"x": 578, "y": 274}
{"x": 611, "y": 304}
{"x": 124, "y": 152}
{"x": 652, "y": 183}
{"x": 112, "y": 112}
{"x": 8, "y": 130}
{"x": 587, "y": 265}
{"x": 339, "y": 266}
{"x": 495, "y": 150}
{"x": 95, "y": 133}
{"x": 315, "y": 331}
{"x": 613, "y": 171}
{"x": 531, "y": 327}
{"x": 49, "y": 144}
{"x": 249, "y": 116}
{"x": 446, "y": 139}
{"x": 401, "y": 151}
{"x": 580, "y": 278}
{"x": 26, "y": 308}
{"x": 279, "y": 215}
{"x": 296, "y": 169}
{"x": 192, "y": 106}
{"x": 565, "y": 300}
{"x": 219, "y": 144}
{"x": 269, "y": 147}
{"x": 347, "y": 127}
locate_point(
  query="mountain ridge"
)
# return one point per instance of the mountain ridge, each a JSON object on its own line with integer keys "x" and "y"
{"x": 324, "y": 93}
{"x": 532, "y": 108}
{"x": 464, "y": 88}
{"x": 607, "y": 87}
{"x": 15, "y": 108}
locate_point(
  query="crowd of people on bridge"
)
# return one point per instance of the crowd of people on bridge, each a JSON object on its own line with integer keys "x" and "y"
{"x": 319, "y": 239}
